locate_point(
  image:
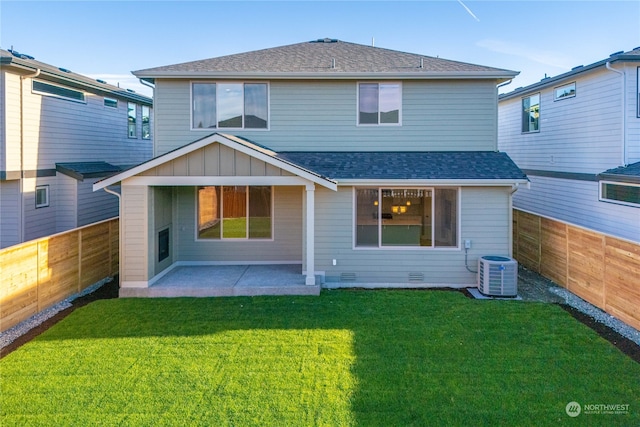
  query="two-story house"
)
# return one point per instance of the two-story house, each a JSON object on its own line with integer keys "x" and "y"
{"x": 59, "y": 133}
{"x": 577, "y": 137}
{"x": 363, "y": 166}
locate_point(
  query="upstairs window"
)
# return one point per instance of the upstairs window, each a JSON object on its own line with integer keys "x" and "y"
{"x": 563, "y": 92}
{"x": 146, "y": 122}
{"x": 132, "y": 116}
{"x": 379, "y": 103}
{"x": 110, "y": 102}
{"x": 47, "y": 89}
{"x": 531, "y": 113}
{"x": 229, "y": 106}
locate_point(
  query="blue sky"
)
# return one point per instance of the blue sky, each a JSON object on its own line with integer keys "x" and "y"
{"x": 110, "y": 39}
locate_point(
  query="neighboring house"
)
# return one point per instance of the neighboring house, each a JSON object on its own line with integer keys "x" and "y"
{"x": 365, "y": 165}
{"x": 577, "y": 137}
{"x": 59, "y": 133}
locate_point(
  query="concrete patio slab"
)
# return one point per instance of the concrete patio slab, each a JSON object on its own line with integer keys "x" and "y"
{"x": 227, "y": 280}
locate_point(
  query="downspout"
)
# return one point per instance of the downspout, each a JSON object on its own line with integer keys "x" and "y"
{"x": 624, "y": 114}
{"x": 22, "y": 78}
{"x": 119, "y": 196}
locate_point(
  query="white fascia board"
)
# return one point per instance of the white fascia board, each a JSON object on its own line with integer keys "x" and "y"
{"x": 192, "y": 181}
{"x": 261, "y": 154}
{"x": 432, "y": 182}
{"x": 331, "y": 76}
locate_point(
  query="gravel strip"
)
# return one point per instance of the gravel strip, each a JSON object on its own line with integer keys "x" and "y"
{"x": 11, "y": 334}
{"x": 597, "y": 314}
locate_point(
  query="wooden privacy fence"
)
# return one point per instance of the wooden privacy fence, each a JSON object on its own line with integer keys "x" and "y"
{"x": 40, "y": 273}
{"x": 598, "y": 268}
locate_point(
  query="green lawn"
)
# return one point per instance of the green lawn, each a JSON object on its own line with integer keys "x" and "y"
{"x": 366, "y": 358}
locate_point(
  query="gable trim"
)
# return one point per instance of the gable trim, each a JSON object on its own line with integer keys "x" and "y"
{"x": 252, "y": 150}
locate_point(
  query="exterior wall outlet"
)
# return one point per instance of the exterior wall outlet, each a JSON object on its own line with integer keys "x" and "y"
{"x": 335, "y": 262}
{"x": 467, "y": 244}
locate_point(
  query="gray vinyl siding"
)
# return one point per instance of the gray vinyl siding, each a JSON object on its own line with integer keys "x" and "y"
{"x": 10, "y": 129}
{"x": 632, "y": 110}
{"x": 67, "y": 203}
{"x": 321, "y": 115}
{"x": 3, "y": 122}
{"x": 134, "y": 225}
{"x": 58, "y": 130}
{"x": 577, "y": 202}
{"x": 95, "y": 206}
{"x": 287, "y": 235}
{"x": 39, "y": 222}
{"x": 10, "y": 215}
{"x": 580, "y": 134}
{"x": 485, "y": 215}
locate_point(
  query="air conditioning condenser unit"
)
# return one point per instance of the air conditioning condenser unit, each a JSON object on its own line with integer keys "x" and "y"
{"x": 498, "y": 276}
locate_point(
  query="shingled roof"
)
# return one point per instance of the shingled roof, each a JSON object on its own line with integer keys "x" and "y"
{"x": 421, "y": 165}
{"x": 629, "y": 173}
{"x": 326, "y": 58}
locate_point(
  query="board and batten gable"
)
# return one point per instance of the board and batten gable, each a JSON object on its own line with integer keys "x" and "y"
{"x": 484, "y": 218}
{"x": 437, "y": 115}
{"x": 580, "y": 134}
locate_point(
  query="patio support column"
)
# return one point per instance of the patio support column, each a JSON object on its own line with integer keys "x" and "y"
{"x": 310, "y": 234}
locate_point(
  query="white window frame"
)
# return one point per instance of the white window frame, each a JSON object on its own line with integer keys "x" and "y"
{"x": 380, "y": 247}
{"x": 142, "y": 108}
{"x": 235, "y": 239}
{"x": 399, "y": 83}
{"x": 54, "y": 95}
{"x": 242, "y": 82}
{"x": 135, "y": 110}
{"x": 110, "y": 100}
{"x": 614, "y": 201}
{"x": 46, "y": 203}
{"x": 539, "y": 112}
{"x": 560, "y": 98}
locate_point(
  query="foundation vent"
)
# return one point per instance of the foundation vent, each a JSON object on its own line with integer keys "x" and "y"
{"x": 416, "y": 277}
{"x": 348, "y": 277}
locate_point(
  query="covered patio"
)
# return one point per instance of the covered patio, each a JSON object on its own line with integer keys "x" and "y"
{"x": 226, "y": 281}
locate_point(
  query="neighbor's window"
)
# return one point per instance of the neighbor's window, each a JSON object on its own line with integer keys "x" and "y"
{"x": 234, "y": 212}
{"x": 131, "y": 115}
{"x": 146, "y": 122}
{"x": 566, "y": 91}
{"x": 230, "y": 105}
{"x": 379, "y": 103}
{"x": 110, "y": 102}
{"x": 531, "y": 113}
{"x": 56, "y": 91}
{"x": 622, "y": 193}
{"x": 42, "y": 196}
{"x": 422, "y": 217}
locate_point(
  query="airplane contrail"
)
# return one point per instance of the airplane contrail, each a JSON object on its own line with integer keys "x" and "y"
{"x": 468, "y": 10}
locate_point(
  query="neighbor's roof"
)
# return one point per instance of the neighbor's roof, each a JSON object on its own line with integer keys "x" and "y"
{"x": 326, "y": 58}
{"x": 28, "y": 64}
{"x": 404, "y": 165}
{"x": 630, "y": 56}
{"x": 629, "y": 173}
{"x": 82, "y": 170}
